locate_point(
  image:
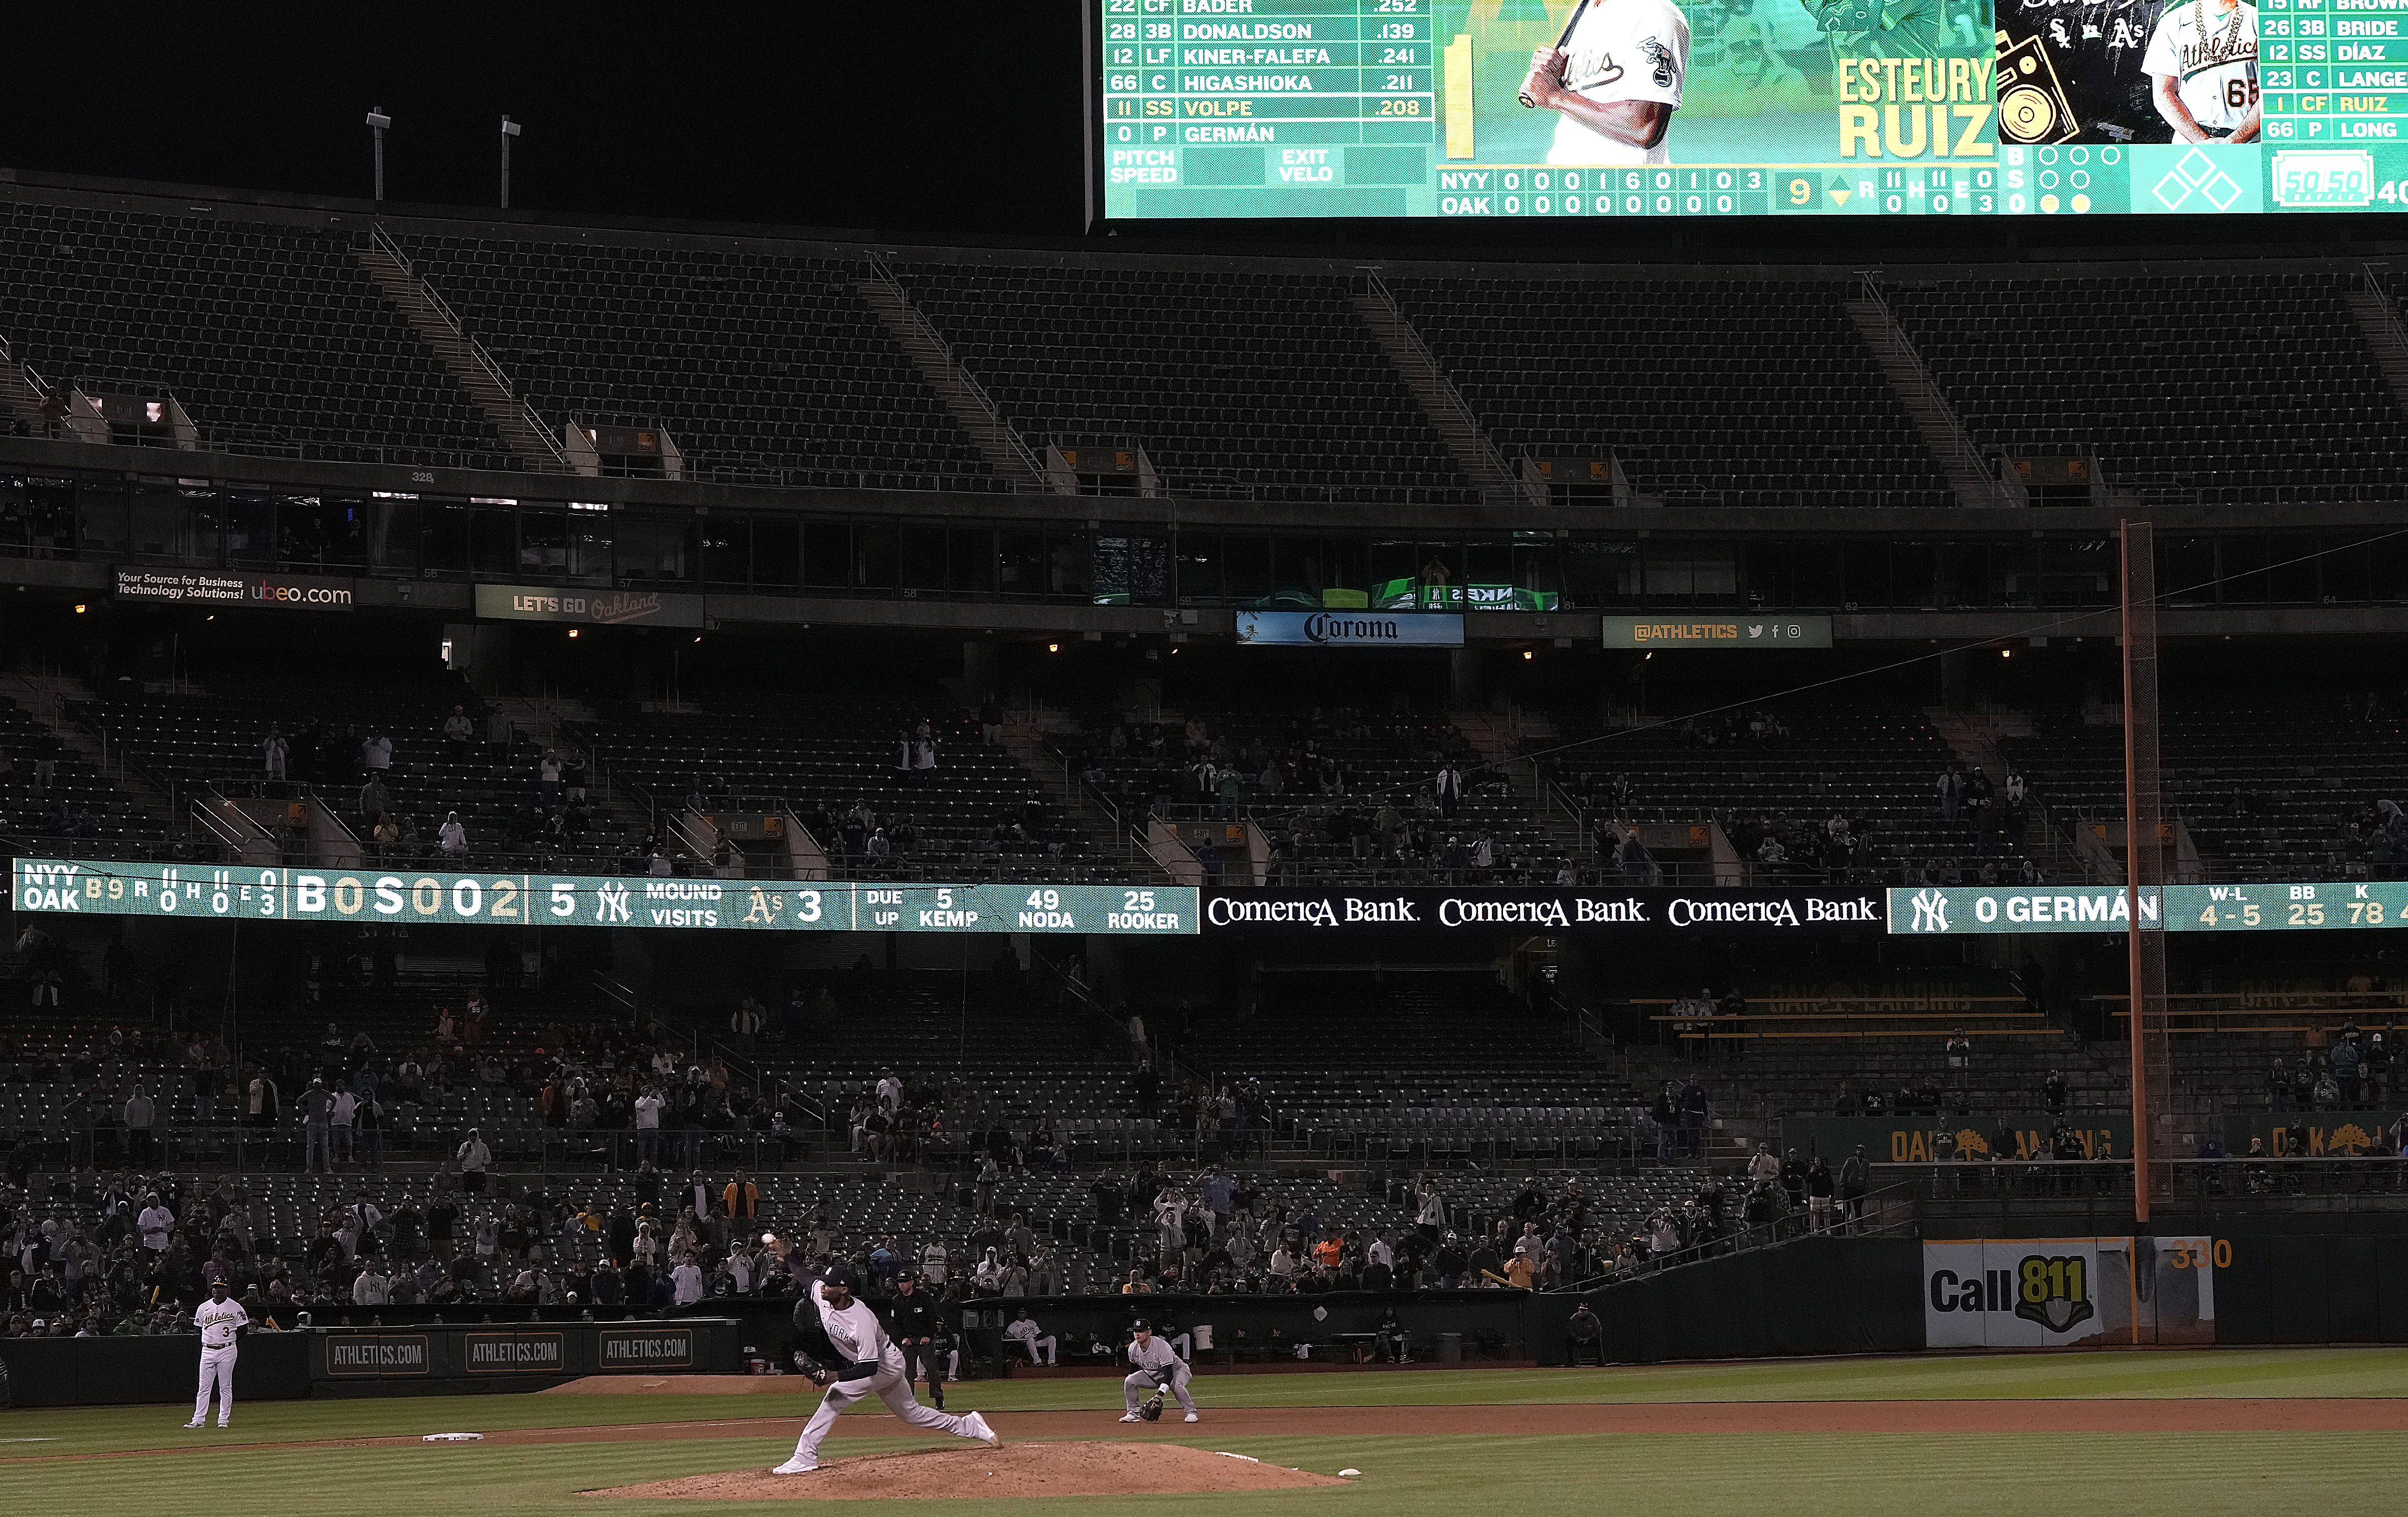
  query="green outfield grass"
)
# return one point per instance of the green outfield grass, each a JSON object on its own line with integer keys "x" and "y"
{"x": 1693, "y": 1475}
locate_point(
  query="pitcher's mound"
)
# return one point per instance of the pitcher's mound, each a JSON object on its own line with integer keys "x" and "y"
{"x": 1017, "y": 1469}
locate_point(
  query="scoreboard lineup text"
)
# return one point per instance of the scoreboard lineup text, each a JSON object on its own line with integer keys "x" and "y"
{"x": 428, "y": 898}
{"x": 1251, "y": 108}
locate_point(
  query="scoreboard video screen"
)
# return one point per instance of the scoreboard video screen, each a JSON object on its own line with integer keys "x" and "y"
{"x": 1605, "y": 108}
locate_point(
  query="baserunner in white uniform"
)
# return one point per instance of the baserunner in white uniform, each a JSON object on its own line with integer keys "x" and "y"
{"x": 868, "y": 1364}
{"x": 1159, "y": 1368}
{"x": 221, "y": 1319}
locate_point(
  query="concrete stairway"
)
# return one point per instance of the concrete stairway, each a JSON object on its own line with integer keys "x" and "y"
{"x": 971, "y": 406}
{"x": 1933, "y": 417}
{"x": 470, "y": 366}
{"x": 22, "y": 393}
{"x": 45, "y": 697}
{"x": 1444, "y": 407}
{"x": 1024, "y": 738}
{"x": 1973, "y": 738}
{"x": 1500, "y": 738}
{"x": 2379, "y": 319}
{"x": 560, "y": 722}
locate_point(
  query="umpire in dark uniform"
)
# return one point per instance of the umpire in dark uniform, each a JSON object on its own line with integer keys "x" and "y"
{"x": 914, "y": 1320}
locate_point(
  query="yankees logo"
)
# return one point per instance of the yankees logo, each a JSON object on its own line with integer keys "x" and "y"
{"x": 611, "y": 903}
{"x": 1931, "y": 911}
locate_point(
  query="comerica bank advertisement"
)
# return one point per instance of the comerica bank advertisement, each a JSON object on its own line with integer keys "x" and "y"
{"x": 1607, "y": 109}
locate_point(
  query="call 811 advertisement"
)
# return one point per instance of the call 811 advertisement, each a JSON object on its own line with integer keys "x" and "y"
{"x": 1255, "y": 109}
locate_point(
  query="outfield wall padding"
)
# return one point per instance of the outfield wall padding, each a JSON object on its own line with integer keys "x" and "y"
{"x": 1811, "y": 1296}
{"x": 2312, "y": 1288}
{"x": 111, "y": 1372}
{"x": 502, "y": 1355}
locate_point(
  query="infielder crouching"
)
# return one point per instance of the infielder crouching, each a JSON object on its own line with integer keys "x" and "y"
{"x": 1157, "y": 1369}
{"x": 867, "y": 1363}
{"x": 221, "y": 1319}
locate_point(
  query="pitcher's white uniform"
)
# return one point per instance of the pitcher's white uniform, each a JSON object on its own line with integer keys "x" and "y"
{"x": 2213, "y": 51}
{"x": 218, "y": 1321}
{"x": 1156, "y": 1354}
{"x": 1622, "y": 49}
{"x": 872, "y": 1365}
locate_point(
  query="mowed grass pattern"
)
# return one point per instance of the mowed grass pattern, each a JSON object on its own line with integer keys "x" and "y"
{"x": 1695, "y": 1475}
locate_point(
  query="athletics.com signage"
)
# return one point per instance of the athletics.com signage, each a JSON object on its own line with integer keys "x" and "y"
{"x": 1556, "y": 911}
{"x": 1350, "y": 629}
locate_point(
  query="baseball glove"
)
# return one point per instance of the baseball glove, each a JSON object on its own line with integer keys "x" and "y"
{"x": 1151, "y": 1407}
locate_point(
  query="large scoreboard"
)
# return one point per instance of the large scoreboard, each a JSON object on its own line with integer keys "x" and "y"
{"x": 1604, "y": 110}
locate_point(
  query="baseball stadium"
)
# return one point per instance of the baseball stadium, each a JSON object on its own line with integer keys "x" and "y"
{"x": 1566, "y": 755}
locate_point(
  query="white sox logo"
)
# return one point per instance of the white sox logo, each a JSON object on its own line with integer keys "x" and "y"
{"x": 1931, "y": 911}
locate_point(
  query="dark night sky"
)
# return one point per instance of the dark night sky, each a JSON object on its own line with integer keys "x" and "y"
{"x": 952, "y": 117}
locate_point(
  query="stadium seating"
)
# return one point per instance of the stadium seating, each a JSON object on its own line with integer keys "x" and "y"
{"x": 1316, "y": 833}
{"x": 763, "y": 363}
{"x": 201, "y": 740}
{"x": 77, "y": 812}
{"x": 1875, "y": 764}
{"x": 1246, "y": 383}
{"x": 978, "y": 815}
{"x": 1709, "y": 391}
{"x": 2271, "y": 787}
{"x": 2142, "y": 368}
{"x": 274, "y": 339}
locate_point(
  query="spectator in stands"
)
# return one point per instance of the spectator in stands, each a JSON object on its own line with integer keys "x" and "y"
{"x": 1632, "y": 859}
{"x": 474, "y": 1159}
{"x": 1447, "y": 788}
{"x": 141, "y": 1114}
{"x": 2053, "y": 1092}
{"x": 1950, "y": 792}
{"x": 272, "y": 749}
{"x": 1852, "y": 1178}
{"x": 647, "y": 1114}
{"x": 453, "y": 838}
{"x": 316, "y": 1125}
{"x": 1819, "y": 1194}
{"x": 376, "y": 752}
{"x": 343, "y": 1123}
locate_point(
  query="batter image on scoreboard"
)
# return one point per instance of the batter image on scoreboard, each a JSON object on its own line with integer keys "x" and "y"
{"x": 2203, "y": 59}
{"x": 1613, "y": 82}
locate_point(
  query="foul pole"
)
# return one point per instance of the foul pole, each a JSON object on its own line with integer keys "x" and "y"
{"x": 2144, "y": 874}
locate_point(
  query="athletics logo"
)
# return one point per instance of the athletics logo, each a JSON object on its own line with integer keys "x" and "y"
{"x": 1931, "y": 911}
{"x": 1661, "y": 56}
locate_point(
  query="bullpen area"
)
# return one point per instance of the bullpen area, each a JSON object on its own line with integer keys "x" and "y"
{"x": 2134, "y": 1432}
